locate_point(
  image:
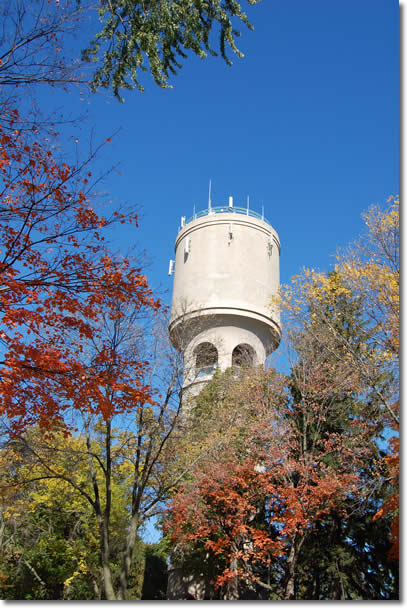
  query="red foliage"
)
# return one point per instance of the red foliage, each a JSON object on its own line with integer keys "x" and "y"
{"x": 221, "y": 508}
{"x": 58, "y": 280}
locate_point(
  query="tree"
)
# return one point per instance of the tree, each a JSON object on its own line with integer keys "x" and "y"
{"x": 370, "y": 269}
{"x": 130, "y": 449}
{"x": 259, "y": 492}
{"x": 371, "y": 266}
{"x": 66, "y": 301}
{"x": 338, "y": 569}
{"x": 31, "y": 43}
{"x": 49, "y": 542}
{"x": 135, "y": 37}
{"x": 140, "y": 36}
{"x": 58, "y": 279}
{"x": 155, "y": 573}
{"x": 252, "y": 512}
{"x": 49, "y": 539}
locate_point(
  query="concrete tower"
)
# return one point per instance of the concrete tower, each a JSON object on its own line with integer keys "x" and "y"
{"x": 226, "y": 271}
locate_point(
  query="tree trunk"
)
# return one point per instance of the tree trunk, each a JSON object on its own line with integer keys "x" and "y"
{"x": 107, "y": 574}
{"x": 315, "y": 585}
{"x": 103, "y": 519}
{"x": 105, "y": 554}
{"x": 127, "y": 557}
{"x": 107, "y": 583}
{"x": 289, "y": 583}
{"x": 289, "y": 587}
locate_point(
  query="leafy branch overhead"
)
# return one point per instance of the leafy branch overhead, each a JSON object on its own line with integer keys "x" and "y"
{"x": 152, "y": 35}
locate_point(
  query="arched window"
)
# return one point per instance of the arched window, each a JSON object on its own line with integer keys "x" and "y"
{"x": 206, "y": 358}
{"x": 243, "y": 356}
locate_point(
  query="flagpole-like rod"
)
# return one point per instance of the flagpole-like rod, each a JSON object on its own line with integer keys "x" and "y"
{"x": 248, "y": 204}
{"x": 209, "y": 197}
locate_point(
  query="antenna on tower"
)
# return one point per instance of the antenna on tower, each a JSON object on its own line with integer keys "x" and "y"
{"x": 248, "y": 204}
{"x": 209, "y": 198}
{"x": 262, "y": 210}
{"x": 193, "y": 217}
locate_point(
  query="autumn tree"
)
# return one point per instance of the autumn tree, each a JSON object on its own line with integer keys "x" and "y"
{"x": 338, "y": 570}
{"x": 49, "y": 543}
{"x": 371, "y": 266}
{"x": 144, "y": 439}
{"x": 65, "y": 297}
{"x": 364, "y": 350}
{"x": 211, "y": 517}
{"x": 259, "y": 494}
{"x": 58, "y": 276}
{"x": 285, "y": 472}
{"x": 369, "y": 270}
{"x": 130, "y": 448}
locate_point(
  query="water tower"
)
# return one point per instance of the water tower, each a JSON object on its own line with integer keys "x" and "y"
{"x": 226, "y": 272}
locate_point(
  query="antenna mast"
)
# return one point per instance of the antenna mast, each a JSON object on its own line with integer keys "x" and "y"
{"x": 209, "y": 198}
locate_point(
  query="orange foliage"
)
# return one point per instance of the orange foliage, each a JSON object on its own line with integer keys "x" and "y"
{"x": 57, "y": 281}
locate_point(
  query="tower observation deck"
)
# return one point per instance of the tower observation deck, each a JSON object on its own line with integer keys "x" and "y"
{"x": 226, "y": 272}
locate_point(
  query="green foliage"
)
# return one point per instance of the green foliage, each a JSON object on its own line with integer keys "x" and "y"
{"x": 50, "y": 542}
{"x": 152, "y": 35}
{"x": 50, "y": 546}
{"x": 345, "y": 559}
{"x": 48, "y": 552}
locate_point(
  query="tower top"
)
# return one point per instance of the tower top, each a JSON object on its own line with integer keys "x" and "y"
{"x": 225, "y": 209}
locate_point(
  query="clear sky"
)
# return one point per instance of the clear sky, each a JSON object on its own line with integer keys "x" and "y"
{"x": 306, "y": 122}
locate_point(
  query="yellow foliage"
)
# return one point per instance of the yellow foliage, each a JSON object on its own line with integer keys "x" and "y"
{"x": 81, "y": 570}
{"x": 367, "y": 273}
{"x": 371, "y": 268}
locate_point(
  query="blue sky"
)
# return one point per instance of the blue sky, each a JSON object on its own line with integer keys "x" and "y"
{"x": 306, "y": 122}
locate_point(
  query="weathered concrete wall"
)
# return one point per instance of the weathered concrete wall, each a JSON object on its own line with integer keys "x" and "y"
{"x": 227, "y": 270}
{"x": 237, "y": 270}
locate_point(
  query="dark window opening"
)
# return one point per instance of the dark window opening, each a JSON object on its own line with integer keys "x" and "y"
{"x": 243, "y": 356}
{"x": 206, "y": 358}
